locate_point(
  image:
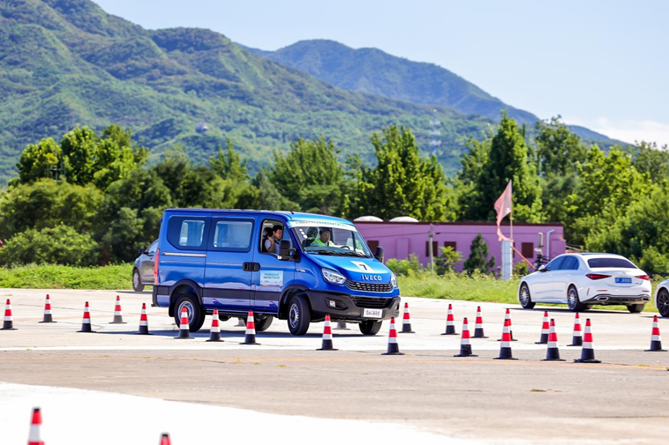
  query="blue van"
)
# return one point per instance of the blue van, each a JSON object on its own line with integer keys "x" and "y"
{"x": 294, "y": 266}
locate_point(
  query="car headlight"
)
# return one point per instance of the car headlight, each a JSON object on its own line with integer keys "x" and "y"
{"x": 393, "y": 280}
{"x": 333, "y": 277}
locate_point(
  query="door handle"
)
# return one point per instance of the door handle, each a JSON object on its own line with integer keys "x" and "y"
{"x": 250, "y": 267}
{"x": 256, "y": 267}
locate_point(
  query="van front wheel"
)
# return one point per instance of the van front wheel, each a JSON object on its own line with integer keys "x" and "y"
{"x": 370, "y": 327}
{"x": 196, "y": 313}
{"x": 299, "y": 315}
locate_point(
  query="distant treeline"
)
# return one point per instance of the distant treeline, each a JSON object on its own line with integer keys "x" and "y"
{"x": 93, "y": 198}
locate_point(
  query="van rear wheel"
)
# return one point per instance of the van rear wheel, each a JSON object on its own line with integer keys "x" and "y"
{"x": 195, "y": 311}
{"x": 299, "y": 315}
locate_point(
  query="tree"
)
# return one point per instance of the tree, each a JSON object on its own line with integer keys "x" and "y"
{"x": 559, "y": 151}
{"x": 310, "y": 175}
{"x": 648, "y": 158}
{"x": 447, "y": 260}
{"x": 402, "y": 182}
{"x": 229, "y": 165}
{"x": 507, "y": 160}
{"x": 478, "y": 257}
{"x": 41, "y": 160}
{"x": 262, "y": 194}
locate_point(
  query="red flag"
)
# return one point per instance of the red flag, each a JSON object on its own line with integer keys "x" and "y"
{"x": 503, "y": 206}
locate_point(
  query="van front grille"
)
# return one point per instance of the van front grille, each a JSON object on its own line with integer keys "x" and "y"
{"x": 371, "y": 302}
{"x": 369, "y": 287}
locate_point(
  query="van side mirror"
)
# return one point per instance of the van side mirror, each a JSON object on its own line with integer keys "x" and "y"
{"x": 285, "y": 251}
{"x": 379, "y": 254}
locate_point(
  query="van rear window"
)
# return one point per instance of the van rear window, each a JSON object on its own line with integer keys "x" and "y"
{"x": 621, "y": 263}
{"x": 187, "y": 232}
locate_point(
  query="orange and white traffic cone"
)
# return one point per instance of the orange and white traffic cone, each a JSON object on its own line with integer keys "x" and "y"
{"x": 48, "y": 318}
{"x": 184, "y": 326}
{"x": 545, "y": 330}
{"x": 250, "y": 337}
{"x": 86, "y": 322}
{"x": 588, "y": 352}
{"x": 577, "y": 338}
{"x": 655, "y": 340}
{"x": 505, "y": 348}
{"x": 165, "y": 439}
{"x": 35, "y": 424}
{"x": 507, "y": 316}
{"x": 553, "y": 351}
{"x": 327, "y": 336}
{"x": 240, "y": 322}
{"x": 341, "y": 326}
{"x": 215, "y": 331}
{"x": 393, "y": 347}
{"x": 143, "y": 322}
{"x": 406, "y": 321}
{"x": 8, "y": 323}
{"x": 465, "y": 344}
{"x": 118, "y": 314}
{"x": 478, "y": 328}
{"x": 450, "y": 324}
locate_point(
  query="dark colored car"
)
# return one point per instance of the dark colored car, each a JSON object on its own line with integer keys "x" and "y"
{"x": 142, "y": 271}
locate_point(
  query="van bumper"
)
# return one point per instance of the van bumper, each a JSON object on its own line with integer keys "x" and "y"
{"x": 344, "y": 307}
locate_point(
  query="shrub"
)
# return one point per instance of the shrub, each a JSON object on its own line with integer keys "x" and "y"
{"x": 406, "y": 268}
{"x": 52, "y": 245}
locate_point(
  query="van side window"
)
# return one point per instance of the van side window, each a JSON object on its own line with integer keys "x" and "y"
{"x": 233, "y": 235}
{"x": 267, "y": 242}
{"x": 192, "y": 232}
{"x": 187, "y": 232}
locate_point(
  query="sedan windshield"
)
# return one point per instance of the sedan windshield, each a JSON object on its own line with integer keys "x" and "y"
{"x": 341, "y": 240}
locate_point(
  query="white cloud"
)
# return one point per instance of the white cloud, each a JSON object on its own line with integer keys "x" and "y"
{"x": 631, "y": 131}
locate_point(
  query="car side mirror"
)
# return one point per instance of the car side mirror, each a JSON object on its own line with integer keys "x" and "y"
{"x": 379, "y": 254}
{"x": 142, "y": 251}
{"x": 543, "y": 268}
{"x": 285, "y": 251}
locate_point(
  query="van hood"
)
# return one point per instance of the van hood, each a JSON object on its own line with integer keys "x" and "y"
{"x": 355, "y": 268}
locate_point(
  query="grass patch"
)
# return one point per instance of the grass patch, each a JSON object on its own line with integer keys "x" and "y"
{"x": 66, "y": 277}
{"x": 475, "y": 288}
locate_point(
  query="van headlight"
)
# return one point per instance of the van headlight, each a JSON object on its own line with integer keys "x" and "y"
{"x": 393, "y": 280}
{"x": 333, "y": 277}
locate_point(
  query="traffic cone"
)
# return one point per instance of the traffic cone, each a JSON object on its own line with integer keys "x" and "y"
{"x": 545, "y": 329}
{"x": 143, "y": 322}
{"x": 553, "y": 351}
{"x": 215, "y": 331}
{"x": 327, "y": 336}
{"x": 588, "y": 352}
{"x": 8, "y": 324}
{"x": 184, "y": 327}
{"x": 341, "y": 326}
{"x": 505, "y": 348}
{"x": 478, "y": 328}
{"x": 47, "y": 311}
{"x": 655, "y": 340}
{"x": 507, "y": 316}
{"x": 165, "y": 439}
{"x": 118, "y": 315}
{"x": 250, "y": 337}
{"x": 465, "y": 345}
{"x": 406, "y": 321}
{"x": 393, "y": 347}
{"x": 450, "y": 326}
{"x": 577, "y": 339}
{"x": 35, "y": 425}
{"x": 86, "y": 323}
{"x": 240, "y": 322}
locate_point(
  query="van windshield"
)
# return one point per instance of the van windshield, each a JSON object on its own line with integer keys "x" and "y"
{"x": 328, "y": 240}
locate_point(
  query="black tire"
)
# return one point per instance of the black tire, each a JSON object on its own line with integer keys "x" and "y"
{"x": 222, "y": 317}
{"x": 196, "y": 313}
{"x": 262, "y": 322}
{"x": 137, "y": 281}
{"x": 663, "y": 302}
{"x": 299, "y": 315}
{"x": 370, "y": 327}
{"x": 573, "y": 301}
{"x": 635, "y": 308}
{"x": 524, "y": 297}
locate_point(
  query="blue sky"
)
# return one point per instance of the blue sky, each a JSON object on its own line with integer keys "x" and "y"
{"x": 601, "y": 64}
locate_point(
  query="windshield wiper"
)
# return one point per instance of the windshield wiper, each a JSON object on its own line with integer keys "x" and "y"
{"x": 322, "y": 251}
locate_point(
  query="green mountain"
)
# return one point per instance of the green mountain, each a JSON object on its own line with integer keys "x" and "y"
{"x": 65, "y": 63}
{"x": 370, "y": 70}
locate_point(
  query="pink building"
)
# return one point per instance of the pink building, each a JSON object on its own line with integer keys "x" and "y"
{"x": 399, "y": 239}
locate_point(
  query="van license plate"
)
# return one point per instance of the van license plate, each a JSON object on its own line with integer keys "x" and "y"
{"x": 623, "y": 280}
{"x": 372, "y": 313}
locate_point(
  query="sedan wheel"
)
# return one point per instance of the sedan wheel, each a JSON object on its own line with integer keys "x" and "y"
{"x": 524, "y": 297}
{"x": 574, "y": 303}
{"x": 663, "y": 302}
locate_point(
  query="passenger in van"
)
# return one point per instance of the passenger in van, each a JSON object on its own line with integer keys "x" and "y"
{"x": 266, "y": 236}
{"x": 272, "y": 243}
{"x": 323, "y": 240}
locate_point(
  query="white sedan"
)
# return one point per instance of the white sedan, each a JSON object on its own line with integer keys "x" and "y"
{"x": 582, "y": 280}
{"x": 662, "y": 298}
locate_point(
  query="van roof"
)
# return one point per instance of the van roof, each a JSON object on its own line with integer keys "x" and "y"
{"x": 294, "y": 216}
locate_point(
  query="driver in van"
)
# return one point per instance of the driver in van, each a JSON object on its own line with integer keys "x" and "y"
{"x": 324, "y": 239}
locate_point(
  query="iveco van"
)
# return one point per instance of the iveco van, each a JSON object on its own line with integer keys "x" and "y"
{"x": 297, "y": 267}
